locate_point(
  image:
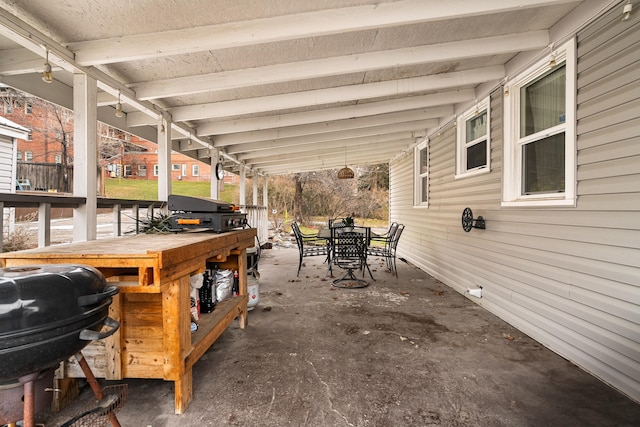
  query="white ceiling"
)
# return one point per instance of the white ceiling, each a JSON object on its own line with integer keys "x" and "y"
{"x": 278, "y": 85}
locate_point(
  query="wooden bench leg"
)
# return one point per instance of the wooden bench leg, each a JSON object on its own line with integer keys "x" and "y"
{"x": 183, "y": 392}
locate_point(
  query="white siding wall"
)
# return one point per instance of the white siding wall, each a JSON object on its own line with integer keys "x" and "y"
{"x": 7, "y": 179}
{"x": 6, "y": 164}
{"x": 569, "y": 277}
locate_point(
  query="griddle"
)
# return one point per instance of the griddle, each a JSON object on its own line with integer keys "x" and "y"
{"x": 191, "y": 213}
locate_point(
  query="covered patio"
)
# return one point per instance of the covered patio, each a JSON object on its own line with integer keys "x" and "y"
{"x": 401, "y": 352}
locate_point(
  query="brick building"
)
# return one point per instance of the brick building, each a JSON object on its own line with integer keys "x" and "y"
{"x": 121, "y": 154}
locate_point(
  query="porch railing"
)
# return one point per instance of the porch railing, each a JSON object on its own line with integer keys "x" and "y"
{"x": 44, "y": 202}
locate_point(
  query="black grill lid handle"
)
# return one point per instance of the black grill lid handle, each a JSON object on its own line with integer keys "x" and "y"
{"x": 90, "y": 335}
{"x": 94, "y": 299}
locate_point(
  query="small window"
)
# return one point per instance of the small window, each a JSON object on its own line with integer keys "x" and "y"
{"x": 142, "y": 170}
{"x": 19, "y": 155}
{"x": 184, "y": 170}
{"x": 28, "y": 156}
{"x": 58, "y": 159}
{"x": 8, "y": 106}
{"x": 421, "y": 174}
{"x": 29, "y": 136}
{"x": 473, "y": 147}
{"x": 156, "y": 170}
{"x": 195, "y": 170}
{"x": 175, "y": 167}
{"x": 540, "y": 137}
{"x": 127, "y": 170}
{"x": 28, "y": 108}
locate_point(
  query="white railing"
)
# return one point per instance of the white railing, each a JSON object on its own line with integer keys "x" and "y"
{"x": 44, "y": 202}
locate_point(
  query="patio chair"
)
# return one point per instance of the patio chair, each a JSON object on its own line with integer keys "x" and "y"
{"x": 309, "y": 245}
{"x": 386, "y": 236}
{"x": 388, "y": 250}
{"x": 349, "y": 252}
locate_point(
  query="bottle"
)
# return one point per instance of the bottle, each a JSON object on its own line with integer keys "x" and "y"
{"x": 236, "y": 284}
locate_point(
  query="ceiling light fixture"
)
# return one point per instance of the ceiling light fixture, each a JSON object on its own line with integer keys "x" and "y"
{"x": 119, "y": 112}
{"x": 345, "y": 172}
{"x": 552, "y": 57}
{"x": 626, "y": 11}
{"x": 47, "y": 74}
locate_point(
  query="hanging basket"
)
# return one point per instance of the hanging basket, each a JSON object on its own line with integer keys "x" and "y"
{"x": 345, "y": 173}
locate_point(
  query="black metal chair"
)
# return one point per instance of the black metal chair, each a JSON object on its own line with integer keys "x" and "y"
{"x": 349, "y": 252}
{"x": 386, "y": 247}
{"x": 309, "y": 245}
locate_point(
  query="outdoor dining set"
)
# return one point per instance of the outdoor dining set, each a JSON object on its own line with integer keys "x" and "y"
{"x": 349, "y": 248}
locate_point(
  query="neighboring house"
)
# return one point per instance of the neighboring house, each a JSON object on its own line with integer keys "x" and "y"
{"x": 551, "y": 160}
{"x": 122, "y": 154}
{"x": 9, "y": 133}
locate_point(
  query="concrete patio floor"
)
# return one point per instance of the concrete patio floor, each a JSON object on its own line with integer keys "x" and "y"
{"x": 405, "y": 351}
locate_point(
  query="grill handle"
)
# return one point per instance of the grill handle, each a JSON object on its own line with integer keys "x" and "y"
{"x": 94, "y": 299}
{"x": 90, "y": 335}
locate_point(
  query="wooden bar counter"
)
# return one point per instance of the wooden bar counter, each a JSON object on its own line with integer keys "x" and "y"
{"x": 153, "y": 306}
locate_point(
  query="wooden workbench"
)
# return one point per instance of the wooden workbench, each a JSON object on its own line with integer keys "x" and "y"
{"x": 153, "y": 306}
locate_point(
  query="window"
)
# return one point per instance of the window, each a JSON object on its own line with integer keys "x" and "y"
{"x": 540, "y": 137}
{"x": 19, "y": 155}
{"x": 421, "y": 174}
{"x": 127, "y": 170}
{"x": 142, "y": 170}
{"x": 8, "y": 106}
{"x": 28, "y": 156}
{"x": 156, "y": 170}
{"x": 175, "y": 167}
{"x": 184, "y": 170}
{"x": 29, "y": 136}
{"x": 58, "y": 159}
{"x": 28, "y": 108}
{"x": 473, "y": 148}
{"x": 195, "y": 170}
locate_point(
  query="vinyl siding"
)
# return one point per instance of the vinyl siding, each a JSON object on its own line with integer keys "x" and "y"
{"x": 6, "y": 163}
{"x": 569, "y": 277}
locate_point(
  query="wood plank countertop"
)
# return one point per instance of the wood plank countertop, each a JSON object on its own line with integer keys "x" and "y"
{"x": 154, "y": 257}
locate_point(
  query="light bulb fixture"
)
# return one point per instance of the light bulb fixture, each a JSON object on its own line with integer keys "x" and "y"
{"x": 162, "y": 128}
{"x": 119, "y": 112}
{"x": 552, "y": 57}
{"x": 47, "y": 74}
{"x": 626, "y": 11}
{"x": 345, "y": 172}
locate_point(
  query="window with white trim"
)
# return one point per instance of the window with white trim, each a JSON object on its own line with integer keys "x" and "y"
{"x": 142, "y": 170}
{"x": 127, "y": 170}
{"x": 473, "y": 142}
{"x": 540, "y": 136}
{"x": 58, "y": 159}
{"x": 195, "y": 170}
{"x": 156, "y": 170}
{"x": 421, "y": 174}
{"x": 28, "y": 156}
{"x": 175, "y": 167}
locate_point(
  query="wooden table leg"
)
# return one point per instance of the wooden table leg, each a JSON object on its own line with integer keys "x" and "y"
{"x": 183, "y": 392}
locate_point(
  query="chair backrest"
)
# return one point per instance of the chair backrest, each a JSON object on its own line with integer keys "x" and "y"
{"x": 348, "y": 245}
{"x": 396, "y": 236}
{"x": 297, "y": 234}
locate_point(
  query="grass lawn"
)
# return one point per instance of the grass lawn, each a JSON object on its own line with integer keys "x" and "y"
{"x": 141, "y": 189}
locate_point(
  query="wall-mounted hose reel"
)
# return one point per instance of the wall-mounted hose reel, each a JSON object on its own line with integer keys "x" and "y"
{"x": 468, "y": 222}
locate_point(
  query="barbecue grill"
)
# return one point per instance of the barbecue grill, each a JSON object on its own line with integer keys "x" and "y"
{"x": 47, "y": 314}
